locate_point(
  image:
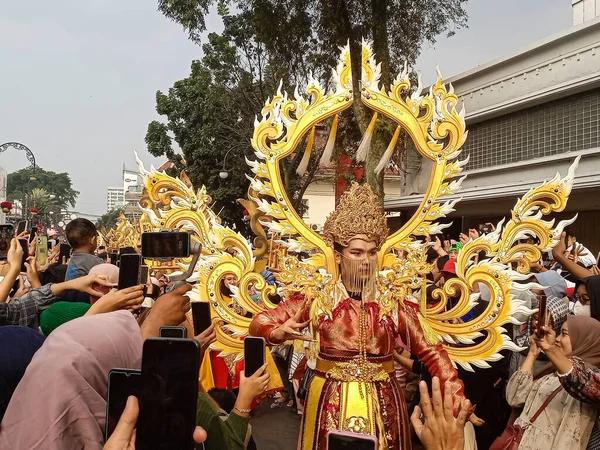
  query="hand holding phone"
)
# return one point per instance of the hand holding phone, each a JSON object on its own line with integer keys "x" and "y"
{"x": 6, "y": 236}
{"x": 200, "y": 317}
{"x": 121, "y": 384}
{"x": 170, "y": 393}
{"x": 254, "y": 354}
{"x": 130, "y": 270}
{"x": 542, "y": 317}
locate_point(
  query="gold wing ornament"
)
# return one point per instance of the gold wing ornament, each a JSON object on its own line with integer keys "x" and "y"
{"x": 438, "y": 131}
{"x": 123, "y": 234}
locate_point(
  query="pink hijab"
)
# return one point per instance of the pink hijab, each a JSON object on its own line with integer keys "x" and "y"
{"x": 109, "y": 270}
{"x": 60, "y": 402}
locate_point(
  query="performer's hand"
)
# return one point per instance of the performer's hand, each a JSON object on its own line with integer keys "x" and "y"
{"x": 290, "y": 330}
{"x": 441, "y": 430}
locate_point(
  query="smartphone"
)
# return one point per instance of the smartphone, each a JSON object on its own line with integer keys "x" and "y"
{"x": 170, "y": 393}
{"x": 346, "y": 440}
{"x": 465, "y": 225}
{"x": 64, "y": 253}
{"x": 25, "y": 247}
{"x": 254, "y": 354}
{"x": 144, "y": 274}
{"x": 121, "y": 384}
{"x": 542, "y": 316}
{"x": 33, "y": 233}
{"x": 129, "y": 270}
{"x": 41, "y": 250}
{"x": 200, "y": 316}
{"x": 49, "y": 244}
{"x": 173, "y": 332}
{"x": 166, "y": 244}
{"x": 7, "y": 233}
{"x": 21, "y": 227}
{"x": 114, "y": 258}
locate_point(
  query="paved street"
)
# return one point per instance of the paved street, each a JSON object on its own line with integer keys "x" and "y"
{"x": 275, "y": 429}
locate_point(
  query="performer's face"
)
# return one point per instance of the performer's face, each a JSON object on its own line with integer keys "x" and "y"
{"x": 230, "y": 280}
{"x": 357, "y": 258}
{"x": 563, "y": 341}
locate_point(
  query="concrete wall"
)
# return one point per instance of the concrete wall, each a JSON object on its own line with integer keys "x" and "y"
{"x": 321, "y": 199}
{"x": 584, "y": 10}
{"x": 553, "y": 68}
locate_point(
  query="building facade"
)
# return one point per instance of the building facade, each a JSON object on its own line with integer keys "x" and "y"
{"x": 114, "y": 198}
{"x": 529, "y": 115}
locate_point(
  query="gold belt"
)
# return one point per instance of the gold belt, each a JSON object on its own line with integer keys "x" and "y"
{"x": 356, "y": 369}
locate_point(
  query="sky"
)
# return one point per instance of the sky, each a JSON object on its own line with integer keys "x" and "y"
{"x": 78, "y": 79}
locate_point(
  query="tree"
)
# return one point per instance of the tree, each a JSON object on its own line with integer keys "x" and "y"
{"x": 211, "y": 113}
{"x": 109, "y": 219}
{"x": 305, "y": 35}
{"x": 20, "y": 184}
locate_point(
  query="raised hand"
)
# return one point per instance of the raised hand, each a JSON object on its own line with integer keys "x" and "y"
{"x": 441, "y": 430}
{"x": 130, "y": 298}
{"x": 291, "y": 329}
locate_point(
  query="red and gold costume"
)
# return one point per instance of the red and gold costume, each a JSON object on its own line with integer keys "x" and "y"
{"x": 354, "y": 389}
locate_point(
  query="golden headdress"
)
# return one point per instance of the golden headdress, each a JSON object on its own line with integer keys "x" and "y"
{"x": 358, "y": 213}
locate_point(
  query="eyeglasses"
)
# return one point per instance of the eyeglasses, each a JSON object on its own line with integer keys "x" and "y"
{"x": 581, "y": 298}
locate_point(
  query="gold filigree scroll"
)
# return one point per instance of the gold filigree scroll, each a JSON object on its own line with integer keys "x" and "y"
{"x": 438, "y": 130}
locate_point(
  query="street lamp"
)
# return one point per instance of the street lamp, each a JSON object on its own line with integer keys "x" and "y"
{"x": 224, "y": 173}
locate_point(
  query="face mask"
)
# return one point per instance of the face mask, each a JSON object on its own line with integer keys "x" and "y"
{"x": 581, "y": 310}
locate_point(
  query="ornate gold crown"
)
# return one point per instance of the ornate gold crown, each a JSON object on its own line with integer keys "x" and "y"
{"x": 358, "y": 213}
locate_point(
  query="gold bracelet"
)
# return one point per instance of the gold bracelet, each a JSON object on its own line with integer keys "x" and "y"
{"x": 243, "y": 411}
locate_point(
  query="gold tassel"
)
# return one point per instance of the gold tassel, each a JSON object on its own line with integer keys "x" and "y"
{"x": 428, "y": 332}
{"x": 385, "y": 159}
{"x": 365, "y": 143}
{"x": 328, "y": 152}
{"x": 306, "y": 158}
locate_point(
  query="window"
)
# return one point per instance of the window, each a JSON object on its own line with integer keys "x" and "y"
{"x": 559, "y": 126}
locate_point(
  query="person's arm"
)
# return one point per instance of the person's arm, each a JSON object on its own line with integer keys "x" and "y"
{"x": 13, "y": 258}
{"x": 229, "y": 434}
{"x": 25, "y": 309}
{"x": 81, "y": 284}
{"x": 581, "y": 381}
{"x": 547, "y": 344}
{"x": 407, "y": 363}
{"x": 283, "y": 323}
{"x": 520, "y": 383}
{"x": 434, "y": 357}
{"x": 558, "y": 253}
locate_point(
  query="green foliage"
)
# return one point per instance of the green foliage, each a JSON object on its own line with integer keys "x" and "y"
{"x": 19, "y": 185}
{"x": 290, "y": 39}
{"x": 109, "y": 220}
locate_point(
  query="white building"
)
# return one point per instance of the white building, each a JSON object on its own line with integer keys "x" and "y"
{"x": 529, "y": 115}
{"x": 115, "y": 198}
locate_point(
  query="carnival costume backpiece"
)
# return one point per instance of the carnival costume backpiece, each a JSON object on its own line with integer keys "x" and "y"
{"x": 354, "y": 388}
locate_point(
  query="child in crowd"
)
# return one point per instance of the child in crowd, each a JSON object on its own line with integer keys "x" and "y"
{"x": 83, "y": 237}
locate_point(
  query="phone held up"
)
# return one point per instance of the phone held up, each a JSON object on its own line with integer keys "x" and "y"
{"x": 200, "y": 317}
{"x": 6, "y": 235}
{"x": 173, "y": 332}
{"x": 21, "y": 227}
{"x": 129, "y": 270}
{"x": 254, "y": 354}
{"x": 542, "y": 316}
{"x": 346, "y": 440}
{"x": 121, "y": 384}
{"x": 170, "y": 393}
{"x": 166, "y": 244}
{"x": 41, "y": 250}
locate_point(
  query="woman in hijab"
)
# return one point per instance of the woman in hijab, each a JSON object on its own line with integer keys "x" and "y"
{"x": 61, "y": 401}
{"x": 108, "y": 270}
{"x": 17, "y": 347}
{"x": 587, "y": 297}
{"x": 566, "y": 422}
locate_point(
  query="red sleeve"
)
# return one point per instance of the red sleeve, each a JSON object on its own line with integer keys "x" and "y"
{"x": 265, "y": 322}
{"x": 434, "y": 357}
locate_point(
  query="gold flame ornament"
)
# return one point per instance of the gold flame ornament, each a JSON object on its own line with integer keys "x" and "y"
{"x": 438, "y": 131}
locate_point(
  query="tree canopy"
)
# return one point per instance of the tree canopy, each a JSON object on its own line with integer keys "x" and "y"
{"x": 19, "y": 184}
{"x": 109, "y": 219}
{"x": 266, "y": 40}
